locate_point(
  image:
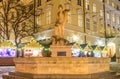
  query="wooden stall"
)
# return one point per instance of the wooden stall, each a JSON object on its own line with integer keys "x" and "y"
{"x": 7, "y": 53}
{"x": 32, "y": 49}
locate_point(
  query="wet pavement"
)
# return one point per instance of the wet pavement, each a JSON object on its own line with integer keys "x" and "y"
{"x": 5, "y": 69}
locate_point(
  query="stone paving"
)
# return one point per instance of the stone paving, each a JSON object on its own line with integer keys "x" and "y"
{"x": 5, "y": 69}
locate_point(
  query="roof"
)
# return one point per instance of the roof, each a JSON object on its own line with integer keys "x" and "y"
{"x": 93, "y": 46}
{"x": 33, "y": 44}
{"x": 83, "y": 45}
{"x": 7, "y": 44}
{"x": 102, "y": 47}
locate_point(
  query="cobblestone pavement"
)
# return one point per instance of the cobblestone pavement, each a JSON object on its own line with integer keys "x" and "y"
{"x": 5, "y": 69}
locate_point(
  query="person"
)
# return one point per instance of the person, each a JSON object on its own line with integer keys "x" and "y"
{"x": 61, "y": 20}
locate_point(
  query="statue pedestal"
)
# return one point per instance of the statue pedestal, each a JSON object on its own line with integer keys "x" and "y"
{"x": 61, "y": 51}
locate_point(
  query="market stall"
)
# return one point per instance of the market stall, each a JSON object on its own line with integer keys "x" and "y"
{"x": 86, "y": 49}
{"x": 104, "y": 51}
{"x": 32, "y": 49}
{"x": 7, "y": 49}
{"x": 7, "y": 53}
{"x": 76, "y": 51}
{"x": 96, "y": 51}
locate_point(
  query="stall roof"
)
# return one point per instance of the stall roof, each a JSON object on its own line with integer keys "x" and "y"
{"x": 75, "y": 46}
{"x": 94, "y": 47}
{"x": 7, "y": 44}
{"x": 83, "y": 45}
{"x": 33, "y": 44}
{"x": 103, "y": 48}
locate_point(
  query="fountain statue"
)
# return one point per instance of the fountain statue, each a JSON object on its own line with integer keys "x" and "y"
{"x": 62, "y": 18}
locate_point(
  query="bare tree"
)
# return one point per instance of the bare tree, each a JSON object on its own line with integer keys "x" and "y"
{"x": 17, "y": 19}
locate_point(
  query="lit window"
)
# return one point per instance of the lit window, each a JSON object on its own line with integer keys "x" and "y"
{"x": 94, "y": 26}
{"x": 94, "y": 7}
{"x": 118, "y": 20}
{"x": 48, "y": 17}
{"x": 79, "y": 2}
{"x": 113, "y": 17}
{"x": 69, "y": 17}
{"x": 101, "y": 12}
{"x": 38, "y": 2}
{"x": 39, "y": 18}
{"x": 80, "y": 19}
{"x": 108, "y": 15}
{"x": 87, "y": 4}
{"x": 88, "y": 23}
{"x": 113, "y": 5}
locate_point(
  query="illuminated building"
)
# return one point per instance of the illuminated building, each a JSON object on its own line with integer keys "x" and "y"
{"x": 92, "y": 22}
{"x": 89, "y": 21}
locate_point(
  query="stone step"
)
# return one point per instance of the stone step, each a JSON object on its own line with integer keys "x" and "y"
{"x": 13, "y": 77}
{"x": 51, "y": 76}
{"x": 21, "y": 74}
{"x": 18, "y": 75}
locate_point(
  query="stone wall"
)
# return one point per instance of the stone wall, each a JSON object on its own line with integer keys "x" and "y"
{"x": 6, "y": 61}
{"x": 61, "y": 65}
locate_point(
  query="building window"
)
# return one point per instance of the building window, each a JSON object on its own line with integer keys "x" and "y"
{"x": 80, "y": 19}
{"x": 117, "y": 7}
{"x": 101, "y": 27}
{"x": 113, "y": 17}
{"x": 113, "y": 5}
{"x": 118, "y": 20}
{"x": 87, "y": 23}
{"x": 101, "y": 12}
{"x": 69, "y": 17}
{"x": 48, "y": 17}
{"x": 108, "y": 16}
{"x": 39, "y": 19}
{"x": 38, "y": 2}
{"x": 94, "y": 26}
{"x": 87, "y": 4}
{"x": 79, "y": 2}
{"x": 94, "y": 7}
